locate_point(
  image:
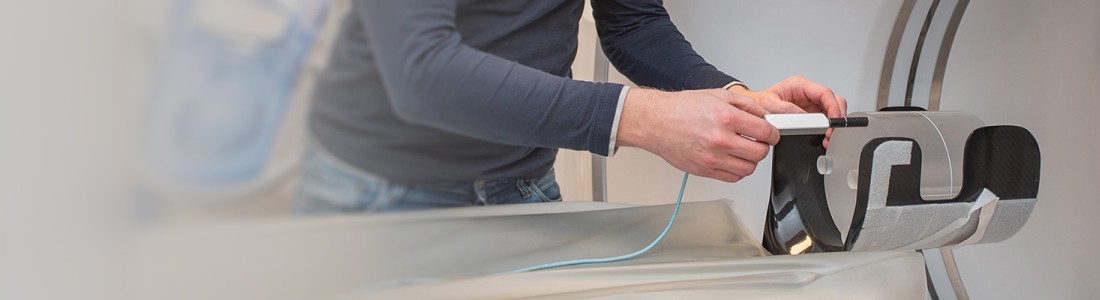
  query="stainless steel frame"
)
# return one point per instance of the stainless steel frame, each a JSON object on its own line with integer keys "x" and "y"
{"x": 599, "y": 163}
{"x": 944, "y": 54}
{"x": 892, "y": 52}
{"x": 925, "y": 62}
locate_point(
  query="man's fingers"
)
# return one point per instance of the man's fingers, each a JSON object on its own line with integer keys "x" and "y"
{"x": 736, "y": 165}
{"x": 752, "y": 151}
{"x": 758, "y": 129}
{"x": 843, "y": 105}
{"x": 810, "y": 96}
{"x": 814, "y": 109}
{"x": 722, "y": 175}
{"x": 843, "y": 112}
{"x": 832, "y": 105}
{"x": 744, "y": 103}
{"x": 773, "y": 104}
{"x": 823, "y": 97}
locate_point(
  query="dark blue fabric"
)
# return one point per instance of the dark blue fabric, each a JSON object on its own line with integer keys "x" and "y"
{"x": 641, "y": 41}
{"x": 437, "y": 90}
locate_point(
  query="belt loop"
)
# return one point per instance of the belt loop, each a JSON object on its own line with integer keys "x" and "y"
{"x": 479, "y": 191}
{"x": 524, "y": 187}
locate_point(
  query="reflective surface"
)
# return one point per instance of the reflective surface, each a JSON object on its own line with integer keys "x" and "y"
{"x": 798, "y": 211}
{"x": 941, "y": 136}
{"x": 800, "y": 218}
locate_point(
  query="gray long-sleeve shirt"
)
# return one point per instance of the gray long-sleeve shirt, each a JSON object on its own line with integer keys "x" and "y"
{"x": 434, "y": 90}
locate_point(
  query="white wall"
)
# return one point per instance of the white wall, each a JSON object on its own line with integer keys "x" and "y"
{"x": 1035, "y": 64}
{"x": 68, "y": 115}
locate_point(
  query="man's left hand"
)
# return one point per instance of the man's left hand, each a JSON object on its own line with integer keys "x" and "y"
{"x": 798, "y": 95}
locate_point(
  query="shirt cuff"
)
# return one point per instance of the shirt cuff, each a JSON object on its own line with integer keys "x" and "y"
{"x": 611, "y": 147}
{"x": 733, "y": 83}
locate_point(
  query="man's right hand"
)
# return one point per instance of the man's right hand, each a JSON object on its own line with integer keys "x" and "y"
{"x": 701, "y": 132}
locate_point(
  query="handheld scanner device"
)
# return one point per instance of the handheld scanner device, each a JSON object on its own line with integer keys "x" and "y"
{"x": 898, "y": 180}
{"x": 812, "y": 123}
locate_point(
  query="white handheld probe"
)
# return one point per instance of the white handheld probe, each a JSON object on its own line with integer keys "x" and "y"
{"x": 814, "y": 123}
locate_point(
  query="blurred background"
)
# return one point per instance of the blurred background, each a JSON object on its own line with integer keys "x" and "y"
{"x": 122, "y": 117}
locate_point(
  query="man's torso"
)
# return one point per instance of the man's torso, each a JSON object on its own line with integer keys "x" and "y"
{"x": 352, "y": 117}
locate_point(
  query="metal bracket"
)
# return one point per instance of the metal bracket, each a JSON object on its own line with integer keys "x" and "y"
{"x": 919, "y": 47}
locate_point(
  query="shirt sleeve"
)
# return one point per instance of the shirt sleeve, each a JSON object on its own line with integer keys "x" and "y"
{"x": 613, "y": 146}
{"x": 433, "y": 79}
{"x": 640, "y": 40}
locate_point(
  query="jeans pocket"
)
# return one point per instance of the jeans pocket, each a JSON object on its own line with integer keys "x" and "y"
{"x": 545, "y": 188}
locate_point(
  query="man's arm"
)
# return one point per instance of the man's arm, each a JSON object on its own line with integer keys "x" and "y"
{"x": 434, "y": 79}
{"x": 640, "y": 40}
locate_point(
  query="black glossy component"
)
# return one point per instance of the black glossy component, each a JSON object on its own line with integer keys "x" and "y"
{"x": 798, "y": 199}
{"x": 1003, "y": 159}
{"x": 848, "y": 122}
{"x": 903, "y": 108}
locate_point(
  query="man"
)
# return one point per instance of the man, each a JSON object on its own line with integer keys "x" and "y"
{"x": 444, "y": 103}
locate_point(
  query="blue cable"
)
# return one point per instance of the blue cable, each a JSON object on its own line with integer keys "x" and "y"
{"x": 615, "y": 258}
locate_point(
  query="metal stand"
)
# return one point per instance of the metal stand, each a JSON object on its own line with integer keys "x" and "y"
{"x": 918, "y": 51}
{"x": 599, "y": 163}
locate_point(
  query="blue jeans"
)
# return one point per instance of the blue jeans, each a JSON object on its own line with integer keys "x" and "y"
{"x": 329, "y": 185}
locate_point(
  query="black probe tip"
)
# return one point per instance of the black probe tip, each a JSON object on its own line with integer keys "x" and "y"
{"x": 848, "y": 122}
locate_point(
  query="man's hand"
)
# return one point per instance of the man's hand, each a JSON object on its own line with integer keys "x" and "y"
{"x": 798, "y": 95}
{"x": 699, "y": 132}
